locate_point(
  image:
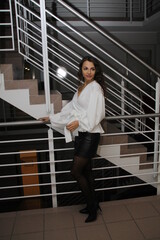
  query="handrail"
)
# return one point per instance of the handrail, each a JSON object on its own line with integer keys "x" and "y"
{"x": 74, "y": 65}
{"x": 96, "y": 46}
{"x": 96, "y": 27}
{"x": 35, "y": 122}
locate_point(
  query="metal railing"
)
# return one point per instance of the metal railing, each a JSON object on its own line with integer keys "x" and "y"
{"x": 6, "y": 27}
{"x": 115, "y": 10}
{"x": 62, "y": 44}
{"x": 133, "y": 99}
{"x": 114, "y": 170}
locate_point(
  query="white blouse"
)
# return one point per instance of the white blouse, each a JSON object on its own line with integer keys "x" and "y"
{"x": 88, "y": 108}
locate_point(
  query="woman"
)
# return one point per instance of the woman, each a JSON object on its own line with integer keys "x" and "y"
{"x": 81, "y": 119}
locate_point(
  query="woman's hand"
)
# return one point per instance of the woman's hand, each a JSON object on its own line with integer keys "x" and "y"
{"x": 44, "y": 119}
{"x": 72, "y": 126}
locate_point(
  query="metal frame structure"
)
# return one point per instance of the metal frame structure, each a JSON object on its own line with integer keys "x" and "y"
{"x": 39, "y": 46}
{"x": 9, "y": 24}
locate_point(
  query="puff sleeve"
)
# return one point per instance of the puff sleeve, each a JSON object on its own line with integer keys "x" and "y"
{"x": 95, "y": 111}
{"x": 61, "y": 119}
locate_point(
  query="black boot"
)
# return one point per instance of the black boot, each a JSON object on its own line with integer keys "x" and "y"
{"x": 92, "y": 214}
{"x": 86, "y": 211}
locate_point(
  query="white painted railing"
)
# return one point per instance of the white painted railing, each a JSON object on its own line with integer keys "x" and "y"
{"x": 68, "y": 51}
{"x": 135, "y": 171}
{"x": 8, "y": 35}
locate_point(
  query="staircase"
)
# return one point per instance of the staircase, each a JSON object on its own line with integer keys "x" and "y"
{"x": 125, "y": 152}
{"x": 33, "y": 104}
{"x": 126, "y": 89}
{"x": 24, "y": 94}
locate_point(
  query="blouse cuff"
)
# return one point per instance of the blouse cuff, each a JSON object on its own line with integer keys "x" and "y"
{"x": 68, "y": 136}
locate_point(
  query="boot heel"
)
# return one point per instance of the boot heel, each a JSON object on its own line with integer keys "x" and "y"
{"x": 91, "y": 217}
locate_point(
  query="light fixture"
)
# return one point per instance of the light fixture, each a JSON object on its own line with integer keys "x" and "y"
{"x": 61, "y": 72}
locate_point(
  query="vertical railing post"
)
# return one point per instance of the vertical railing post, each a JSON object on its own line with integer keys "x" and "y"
{"x": 158, "y": 177}
{"x": 131, "y": 11}
{"x": 145, "y": 9}
{"x": 11, "y": 19}
{"x": 88, "y": 8}
{"x": 45, "y": 55}
{"x": 52, "y": 167}
{"x": 122, "y": 104}
{"x": 156, "y": 135}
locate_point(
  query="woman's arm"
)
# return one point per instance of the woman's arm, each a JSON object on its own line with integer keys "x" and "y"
{"x": 44, "y": 119}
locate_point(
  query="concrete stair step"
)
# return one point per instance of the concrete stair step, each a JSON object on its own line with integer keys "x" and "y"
{"x": 136, "y": 149}
{"x": 35, "y": 96}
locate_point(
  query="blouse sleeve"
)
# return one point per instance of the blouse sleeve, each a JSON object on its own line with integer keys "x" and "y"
{"x": 61, "y": 119}
{"x": 95, "y": 112}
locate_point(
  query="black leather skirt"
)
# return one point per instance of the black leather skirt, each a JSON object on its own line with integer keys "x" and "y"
{"x": 86, "y": 144}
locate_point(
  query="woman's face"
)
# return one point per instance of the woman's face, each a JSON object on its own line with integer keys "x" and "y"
{"x": 88, "y": 71}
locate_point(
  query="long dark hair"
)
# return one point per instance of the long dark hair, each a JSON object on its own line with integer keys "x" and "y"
{"x": 98, "y": 75}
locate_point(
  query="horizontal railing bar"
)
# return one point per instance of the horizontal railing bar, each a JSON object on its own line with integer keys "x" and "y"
{"x": 95, "y": 26}
{"x": 32, "y": 140}
{"x": 5, "y": 10}
{"x": 5, "y": 37}
{"x": 38, "y": 42}
{"x": 69, "y": 182}
{"x": 28, "y": 10}
{"x": 128, "y": 155}
{"x": 126, "y": 186}
{"x": 65, "y": 149}
{"x": 34, "y": 122}
{"x": 33, "y": 62}
{"x": 37, "y": 151}
{"x": 70, "y": 160}
{"x": 65, "y": 47}
{"x": 74, "y": 192}
{"x": 33, "y": 49}
{"x": 123, "y": 77}
{"x": 125, "y": 176}
{"x": 59, "y": 172}
{"x": 99, "y": 48}
{"x": 92, "y": 54}
{"x": 5, "y": 24}
{"x": 35, "y": 163}
{"x": 123, "y": 166}
{"x": 133, "y": 116}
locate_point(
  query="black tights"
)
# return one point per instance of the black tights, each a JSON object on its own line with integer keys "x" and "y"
{"x": 82, "y": 172}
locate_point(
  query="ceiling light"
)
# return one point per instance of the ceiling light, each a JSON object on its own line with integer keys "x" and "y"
{"x": 61, "y": 72}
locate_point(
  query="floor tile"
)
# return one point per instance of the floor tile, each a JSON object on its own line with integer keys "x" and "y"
{"x": 115, "y": 213}
{"x": 142, "y": 210}
{"x": 30, "y": 212}
{"x": 7, "y": 223}
{"x": 126, "y": 230}
{"x": 150, "y": 227}
{"x": 156, "y": 204}
{"x": 28, "y": 223}
{"x": 58, "y": 220}
{"x": 28, "y": 236}
{"x": 66, "y": 234}
{"x": 8, "y": 237}
{"x": 128, "y": 219}
{"x": 96, "y": 232}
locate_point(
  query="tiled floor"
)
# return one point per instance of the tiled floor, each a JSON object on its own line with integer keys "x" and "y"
{"x": 132, "y": 219}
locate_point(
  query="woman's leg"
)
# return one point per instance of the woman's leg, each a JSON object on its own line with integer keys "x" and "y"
{"x": 81, "y": 167}
{"x": 89, "y": 176}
